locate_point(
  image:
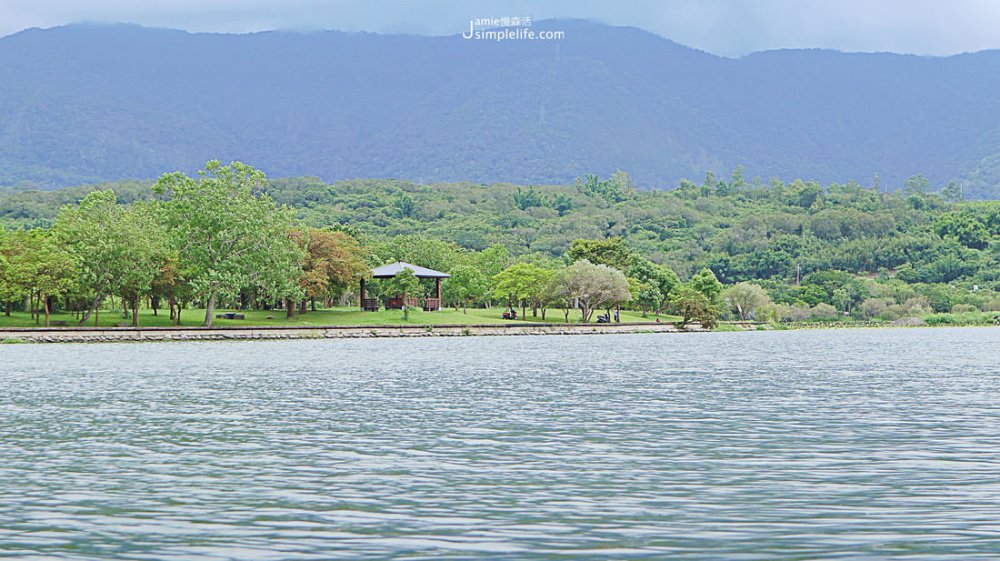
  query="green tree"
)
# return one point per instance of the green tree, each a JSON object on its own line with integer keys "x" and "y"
{"x": 644, "y": 295}
{"x": 489, "y": 262}
{"x": 562, "y": 204}
{"x": 659, "y": 279}
{"x": 746, "y": 300}
{"x": 148, "y": 250}
{"x": 916, "y": 185}
{"x": 538, "y": 293}
{"x": 229, "y": 236}
{"x": 334, "y": 262}
{"x": 405, "y": 207}
{"x": 37, "y": 265}
{"x": 611, "y": 252}
{"x": 706, "y": 283}
{"x": 622, "y": 187}
{"x": 120, "y": 250}
{"x": 591, "y": 286}
{"x": 557, "y": 292}
{"x": 171, "y": 283}
{"x": 11, "y": 289}
{"x": 737, "y": 181}
{"x": 616, "y": 189}
{"x": 708, "y": 185}
{"x": 520, "y": 284}
{"x": 405, "y": 284}
{"x": 964, "y": 227}
{"x": 694, "y": 305}
{"x": 466, "y": 285}
{"x": 953, "y": 192}
{"x": 528, "y": 198}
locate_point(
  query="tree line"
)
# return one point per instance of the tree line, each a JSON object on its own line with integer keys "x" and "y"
{"x": 782, "y": 251}
{"x": 219, "y": 239}
{"x": 207, "y": 239}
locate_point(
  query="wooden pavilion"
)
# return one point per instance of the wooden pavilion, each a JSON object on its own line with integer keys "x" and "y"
{"x": 396, "y": 302}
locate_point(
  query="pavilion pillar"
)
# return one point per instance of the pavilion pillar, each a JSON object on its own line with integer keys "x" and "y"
{"x": 437, "y": 283}
{"x": 362, "y": 302}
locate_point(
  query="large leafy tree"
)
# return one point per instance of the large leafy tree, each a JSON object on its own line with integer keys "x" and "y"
{"x": 644, "y": 295}
{"x": 37, "y": 265}
{"x": 611, "y": 252}
{"x": 746, "y": 300}
{"x": 706, "y": 283}
{"x": 489, "y": 262}
{"x": 230, "y": 236}
{"x": 522, "y": 283}
{"x": 120, "y": 250}
{"x": 10, "y": 288}
{"x": 657, "y": 282}
{"x": 557, "y": 292}
{"x": 334, "y": 261}
{"x": 171, "y": 283}
{"x": 467, "y": 284}
{"x": 966, "y": 227}
{"x": 591, "y": 286}
{"x": 149, "y": 249}
{"x": 694, "y": 305}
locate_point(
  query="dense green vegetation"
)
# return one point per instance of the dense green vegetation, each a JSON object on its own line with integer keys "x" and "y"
{"x": 773, "y": 251}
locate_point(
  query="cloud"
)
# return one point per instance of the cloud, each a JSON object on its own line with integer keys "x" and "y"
{"x": 727, "y": 27}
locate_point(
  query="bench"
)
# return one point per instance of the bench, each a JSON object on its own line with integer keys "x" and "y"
{"x": 230, "y": 315}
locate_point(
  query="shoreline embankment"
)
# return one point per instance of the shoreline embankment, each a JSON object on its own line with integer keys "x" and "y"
{"x": 249, "y": 333}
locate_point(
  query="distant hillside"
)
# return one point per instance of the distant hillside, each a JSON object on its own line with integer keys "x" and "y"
{"x": 88, "y": 103}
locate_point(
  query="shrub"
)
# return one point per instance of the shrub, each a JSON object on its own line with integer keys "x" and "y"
{"x": 916, "y": 306}
{"x": 796, "y": 312}
{"x": 892, "y": 313}
{"x": 824, "y": 311}
{"x": 873, "y": 307}
{"x": 965, "y": 318}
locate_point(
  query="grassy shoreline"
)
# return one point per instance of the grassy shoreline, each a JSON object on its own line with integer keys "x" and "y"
{"x": 334, "y": 317}
{"x": 90, "y": 335}
{"x": 350, "y": 322}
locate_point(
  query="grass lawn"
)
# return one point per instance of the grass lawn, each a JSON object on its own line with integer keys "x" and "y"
{"x": 335, "y": 316}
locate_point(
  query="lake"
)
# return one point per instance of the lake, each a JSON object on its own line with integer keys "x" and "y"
{"x": 842, "y": 444}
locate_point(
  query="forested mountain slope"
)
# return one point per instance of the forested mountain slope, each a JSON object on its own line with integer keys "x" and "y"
{"x": 87, "y": 103}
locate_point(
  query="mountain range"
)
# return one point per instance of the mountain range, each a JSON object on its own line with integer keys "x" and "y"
{"x": 88, "y": 103}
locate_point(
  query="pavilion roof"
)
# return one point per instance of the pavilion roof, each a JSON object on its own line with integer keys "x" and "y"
{"x": 393, "y": 269}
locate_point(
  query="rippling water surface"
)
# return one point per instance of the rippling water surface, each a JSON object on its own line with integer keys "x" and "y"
{"x": 860, "y": 444}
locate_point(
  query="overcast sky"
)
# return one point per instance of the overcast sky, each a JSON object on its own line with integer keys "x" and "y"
{"x": 725, "y": 27}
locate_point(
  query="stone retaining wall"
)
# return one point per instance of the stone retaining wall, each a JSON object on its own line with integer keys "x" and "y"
{"x": 120, "y": 334}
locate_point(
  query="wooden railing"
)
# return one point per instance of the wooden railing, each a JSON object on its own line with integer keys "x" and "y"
{"x": 397, "y": 303}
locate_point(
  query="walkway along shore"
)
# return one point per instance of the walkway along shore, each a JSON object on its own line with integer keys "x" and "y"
{"x": 123, "y": 334}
